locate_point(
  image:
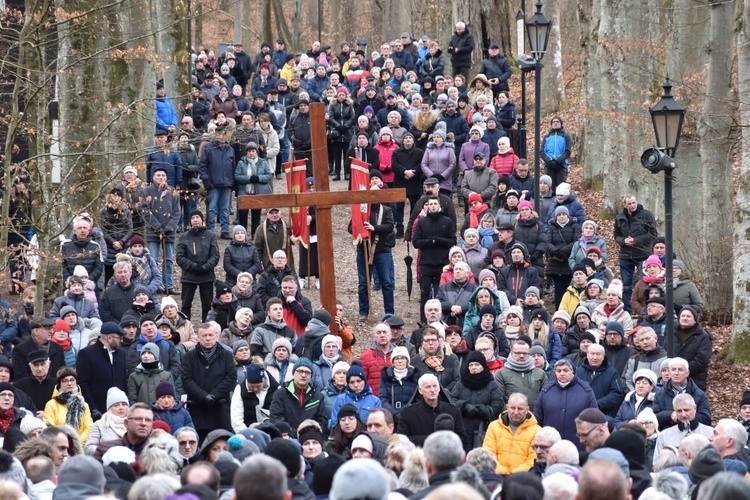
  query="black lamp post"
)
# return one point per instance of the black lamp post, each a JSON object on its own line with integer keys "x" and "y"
{"x": 667, "y": 117}
{"x": 538, "y": 28}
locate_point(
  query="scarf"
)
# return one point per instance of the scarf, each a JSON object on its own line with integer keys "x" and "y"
{"x": 460, "y": 348}
{"x": 653, "y": 280}
{"x": 115, "y": 423}
{"x": 474, "y": 214}
{"x": 609, "y": 310}
{"x": 434, "y": 362}
{"x": 400, "y": 374}
{"x": 519, "y": 366}
{"x": 512, "y": 332}
{"x": 65, "y": 344}
{"x": 486, "y": 236}
{"x": 209, "y": 354}
{"x": 141, "y": 264}
{"x": 75, "y": 405}
{"x": 6, "y": 418}
{"x": 475, "y": 381}
{"x": 330, "y": 361}
{"x": 240, "y": 294}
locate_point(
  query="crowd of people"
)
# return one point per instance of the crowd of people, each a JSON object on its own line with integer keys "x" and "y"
{"x": 537, "y": 368}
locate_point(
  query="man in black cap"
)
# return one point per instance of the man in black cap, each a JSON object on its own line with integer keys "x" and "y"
{"x": 280, "y": 54}
{"x": 398, "y": 338}
{"x": 40, "y": 385}
{"x": 505, "y": 241}
{"x": 101, "y": 366}
{"x": 592, "y": 428}
{"x": 166, "y": 157}
{"x": 41, "y": 335}
{"x": 431, "y": 188}
{"x": 496, "y": 68}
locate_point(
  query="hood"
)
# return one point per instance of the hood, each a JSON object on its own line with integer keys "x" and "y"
{"x": 316, "y": 329}
{"x": 274, "y": 325}
{"x": 481, "y": 78}
{"x": 507, "y": 153}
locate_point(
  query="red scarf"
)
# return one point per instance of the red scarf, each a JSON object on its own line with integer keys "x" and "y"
{"x": 64, "y": 344}
{"x": 474, "y": 215}
{"x": 653, "y": 280}
{"x": 6, "y": 418}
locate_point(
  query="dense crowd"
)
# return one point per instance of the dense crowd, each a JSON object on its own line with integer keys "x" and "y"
{"x": 535, "y": 371}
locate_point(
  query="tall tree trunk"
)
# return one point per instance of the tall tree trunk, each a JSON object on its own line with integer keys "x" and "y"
{"x": 552, "y": 76}
{"x": 739, "y": 347}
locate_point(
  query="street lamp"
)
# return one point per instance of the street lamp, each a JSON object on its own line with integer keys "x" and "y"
{"x": 667, "y": 117}
{"x": 538, "y": 28}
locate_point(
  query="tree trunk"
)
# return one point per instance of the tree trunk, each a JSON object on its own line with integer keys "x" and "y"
{"x": 739, "y": 347}
{"x": 552, "y": 76}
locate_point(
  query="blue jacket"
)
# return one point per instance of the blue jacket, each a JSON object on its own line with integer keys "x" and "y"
{"x": 575, "y": 210}
{"x": 8, "y": 325}
{"x": 171, "y": 161}
{"x": 394, "y": 394}
{"x": 261, "y": 170}
{"x": 83, "y": 306}
{"x": 559, "y": 406}
{"x": 365, "y": 401}
{"x": 316, "y": 87}
{"x": 629, "y": 411}
{"x": 165, "y": 114}
{"x": 663, "y": 404}
{"x": 404, "y": 59}
{"x": 557, "y": 147}
{"x": 176, "y": 417}
{"x": 605, "y": 382}
{"x": 160, "y": 210}
{"x": 216, "y": 165}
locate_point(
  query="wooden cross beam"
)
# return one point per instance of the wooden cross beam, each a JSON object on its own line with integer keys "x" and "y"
{"x": 322, "y": 199}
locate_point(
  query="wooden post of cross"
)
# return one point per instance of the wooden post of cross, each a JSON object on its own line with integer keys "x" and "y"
{"x": 322, "y": 199}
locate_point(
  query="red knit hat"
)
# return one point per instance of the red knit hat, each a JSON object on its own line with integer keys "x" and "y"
{"x": 60, "y": 325}
{"x": 342, "y": 90}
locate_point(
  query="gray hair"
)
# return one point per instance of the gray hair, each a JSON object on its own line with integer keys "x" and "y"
{"x": 168, "y": 458}
{"x": 123, "y": 264}
{"x": 683, "y": 398}
{"x": 724, "y": 485}
{"x": 154, "y": 487}
{"x": 596, "y": 347}
{"x": 559, "y": 486}
{"x": 432, "y": 302}
{"x": 669, "y": 461}
{"x": 550, "y": 433}
{"x": 15, "y": 473}
{"x": 443, "y": 449}
{"x": 427, "y": 377}
{"x": 734, "y": 430}
{"x": 461, "y": 24}
{"x": 482, "y": 459}
{"x": 261, "y": 477}
{"x": 563, "y": 452}
{"x": 671, "y": 483}
{"x": 692, "y": 444}
{"x": 679, "y": 361}
{"x": 646, "y": 330}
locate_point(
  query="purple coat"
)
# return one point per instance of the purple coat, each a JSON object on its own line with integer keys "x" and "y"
{"x": 440, "y": 160}
{"x": 466, "y": 156}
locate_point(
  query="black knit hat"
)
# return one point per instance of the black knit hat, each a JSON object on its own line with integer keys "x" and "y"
{"x": 348, "y": 410}
{"x": 745, "y": 399}
{"x": 286, "y": 452}
{"x": 222, "y": 288}
{"x": 487, "y": 309}
{"x": 198, "y": 213}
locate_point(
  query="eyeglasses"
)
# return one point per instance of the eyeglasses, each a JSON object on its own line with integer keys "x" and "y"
{"x": 306, "y": 373}
{"x": 68, "y": 380}
{"x": 7, "y": 395}
{"x": 187, "y": 443}
{"x": 585, "y": 434}
{"x": 540, "y": 447}
{"x": 429, "y": 341}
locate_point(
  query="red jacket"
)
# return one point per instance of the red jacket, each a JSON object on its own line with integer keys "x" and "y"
{"x": 385, "y": 150}
{"x": 504, "y": 163}
{"x": 373, "y": 361}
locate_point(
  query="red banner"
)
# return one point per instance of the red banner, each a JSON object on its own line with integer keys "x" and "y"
{"x": 360, "y": 177}
{"x": 296, "y": 183}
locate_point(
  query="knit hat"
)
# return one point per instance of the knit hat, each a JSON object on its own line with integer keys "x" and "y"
{"x": 136, "y": 240}
{"x": 597, "y": 282}
{"x": 615, "y": 287}
{"x": 303, "y": 363}
{"x": 167, "y": 301}
{"x": 144, "y": 319}
{"x": 656, "y": 300}
{"x": 478, "y": 129}
{"x": 281, "y": 342}
{"x": 331, "y": 339}
{"x": 563, "y": 315}
{"x": 444, "y": 422}
{"x": 75, "y": 280}
{"x": 400, "y": 351}
{"x": 67, "y": 310}
{"x": 384, "y": 131}
{"x": 341, "y": 365}
{"x": 665, "y": 366}
{"x": 504, "y": 179}
{"x": 546, "y": 179}
{"x": 587, "y": 263}
{"x": 648, "y": 415}
{"x": 257, "y": 436}
{"x": 680, "y": 264}
{"x": 706, "y": 464}
{"x": 376, "y": 173}
{"x": 323, "y": 316}
{"x": 355, "y": 371}
{"x": 348, "y": 410}
{"x": 474, "y": 197}
{"x": 342, "y": 90}
{"x": 612, "y": 455}
{"x": 581, "y": 310}
{"x": 537, "y": 349}
{"x": 140, "y": 289}
{"x": 237, "y": 344}
{"x": 645, "y": 373}
{"x": 541, "y": 312}
{"x": 691, "y": 310}
{"x": 615, "y": 326}
{"x": 561, "y": 209}
{"x": 587, "y": 335}
{"x": 238, "y": 229}
{"x": 512, "y": 192}
{"x": 254, "y": 373}
{"x": 589, "y": 222}
{"x": 744, "y": 401}
{"x": 532, "y": 290}
{"x": 222, "y": 288}
{"x": 563, "y": 189}
{"x": 526, "y": 204}
{"x": 30, "y": 423}
{"x": 309, "y": 433}
{"x": 118, "y": 454}
{"x": 161, "y": 424}
{"x": 240, "y": 447}
{"x": 654, "y": 260}
{"x": 471, "y": 231}
{"x": 82, "y": 469}
{"x": 152, "y": 348}
{"x": 497, "y": 253}
{"x": 193, "y": 212}
{"x": 286, "y": 452}
{"x": 60, "y": 325}
{"x": 361, "y": 478}
{"x": 439, "y": 133}
{"x": 116, "y": 395}
{"x": 485, "y": 273}
{"x": 516, "y": 310}
{"x": 362, "y": 442}
{"x": 487, "y": 309}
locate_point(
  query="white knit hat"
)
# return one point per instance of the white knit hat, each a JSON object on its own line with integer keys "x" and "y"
{"x": 116, "y": 395}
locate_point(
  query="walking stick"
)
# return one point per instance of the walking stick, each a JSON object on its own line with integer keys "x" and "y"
{"x": 366, "y": 248}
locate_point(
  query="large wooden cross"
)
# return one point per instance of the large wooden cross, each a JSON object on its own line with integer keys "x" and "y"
{"x": 322, "y": 199}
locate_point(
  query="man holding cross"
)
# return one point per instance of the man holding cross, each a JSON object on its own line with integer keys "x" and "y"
{"x": 377, "y": 252}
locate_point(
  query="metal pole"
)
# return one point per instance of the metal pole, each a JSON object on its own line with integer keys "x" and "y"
{"x": 537, "y": 119}
{"x": 522, "y": 120}
{"x": 668, "y": 264}
{"x": 320, "y": 22}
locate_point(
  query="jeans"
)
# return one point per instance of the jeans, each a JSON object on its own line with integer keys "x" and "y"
{"x": 627, "y": 271}
{"x": 286, "y": 147}
{"x": 206, "y": 294}
{"x": 383, "y": 262}
{"x": 187, "y": 205}
{"x": 166, "y": 272}
{"x": 219, "y": 199}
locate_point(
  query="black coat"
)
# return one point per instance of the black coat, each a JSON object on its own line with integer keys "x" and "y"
{"x": 446, "y": 206}
{"x": 117, "y": 225}
{"x": 418, "y": 421}
{"x": 197, "y": 255}
{"x": 96, "y": 374}
{"x": 116, "y": 301}
{"x": 343, "y": 119}
{"x": 269, "y": 283}
{"x": 560, "y": 241}
{"x": 84, "y": 253}
{"x": 408, "y": 159}
{"x": 217, "y": 378}
{"x": 641, "y": 226}
{"x": 496, "y": 67}
{"x": 465, "y": 45}
{"x": 448, "y": 378}
{"x": 285, "y": 407}
{"x": 487, "y": 400}
{"x": 384, "y": 226}
{"x": 434, "y": 65}
{"x": 696, "y": 348}
{"x": 240, "y": 258}
{"x": 434, "y": 236}
{"x": 21, "y": 353}
{"x": 395, "y": 394}
{"x": 533, "y": 234}
{"x": 38, "y": 392}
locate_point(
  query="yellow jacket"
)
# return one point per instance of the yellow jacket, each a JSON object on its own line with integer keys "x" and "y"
{"x": 570, "y": 301}
{"x": 55, "y": 413}
{"x": 513, "y": 451}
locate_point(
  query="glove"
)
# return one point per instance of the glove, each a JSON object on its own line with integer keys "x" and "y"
{"x": 553, "y": 164}
{"x": 254, "y": 179}
{"x": 470, "y": 410}
{"x": 209, "y": 400}
{"x": 96, "y": 415}
{"x": 208, "y": 184}
{"x": 168, "y": 232}
{"x": 439, "y": 177}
